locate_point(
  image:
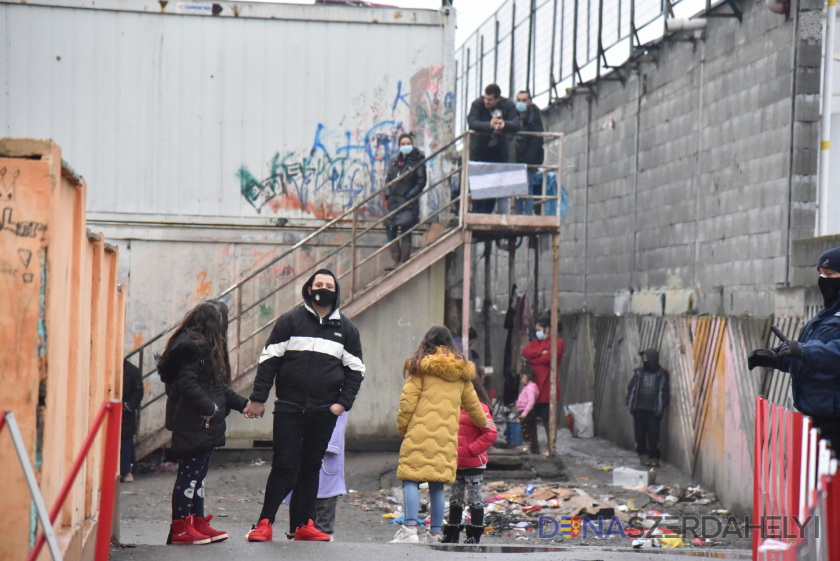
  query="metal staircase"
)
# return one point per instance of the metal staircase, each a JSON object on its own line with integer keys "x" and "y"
{"x": 357, "y": 258}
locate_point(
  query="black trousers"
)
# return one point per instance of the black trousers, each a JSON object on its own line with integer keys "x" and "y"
{"x": 300, "y": 442}
{"x": 646, "y": 426}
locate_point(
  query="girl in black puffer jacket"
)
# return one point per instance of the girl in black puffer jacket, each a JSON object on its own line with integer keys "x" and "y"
{"x": 196, "y": 370}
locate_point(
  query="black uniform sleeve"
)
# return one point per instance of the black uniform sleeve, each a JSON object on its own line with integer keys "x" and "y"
{"x": 187, "y": 386}
{"x": 354, "y": 368}
{"x": 271, "y": 359}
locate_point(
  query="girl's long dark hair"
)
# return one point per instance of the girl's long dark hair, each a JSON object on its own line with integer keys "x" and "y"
{"x": 226, "y": 372}
{"x": 436, "y": 337}
{"x": 205, "y": 325}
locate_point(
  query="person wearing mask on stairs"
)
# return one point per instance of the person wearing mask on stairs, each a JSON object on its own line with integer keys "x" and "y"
{"x": 408, "y": 173}
{"x": 313, "y": 358}
{"x": 814, "y": 360}
{"x": 648, "y": 395}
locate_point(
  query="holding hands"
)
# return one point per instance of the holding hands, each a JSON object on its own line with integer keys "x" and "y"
{"x": 254, "y": 410}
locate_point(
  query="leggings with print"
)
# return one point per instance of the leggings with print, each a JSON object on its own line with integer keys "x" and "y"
{"x": 469, "y": 487}
{"x": 188, "y": 494}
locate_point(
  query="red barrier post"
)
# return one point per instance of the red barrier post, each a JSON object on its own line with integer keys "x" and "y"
{"x": 760, "y": 405}
{"x": 832, "y": 516}
{"x": 109, "y": 481}
{"x": 2, "y": 421}
{"x": 71, "y": 478}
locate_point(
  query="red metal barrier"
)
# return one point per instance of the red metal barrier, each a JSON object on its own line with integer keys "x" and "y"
{"x": 791, "y": 480}
{"x": 113, "y": 409}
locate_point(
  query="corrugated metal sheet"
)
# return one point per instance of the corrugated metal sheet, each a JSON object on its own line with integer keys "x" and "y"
{"x": 218, "y": 119}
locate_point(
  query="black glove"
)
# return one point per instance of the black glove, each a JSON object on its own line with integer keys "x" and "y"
{"x": 766, "y": 358}
{"x": 791, "y": 348}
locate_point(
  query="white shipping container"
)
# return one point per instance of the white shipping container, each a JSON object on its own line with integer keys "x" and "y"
{"x": 177, "y": 115}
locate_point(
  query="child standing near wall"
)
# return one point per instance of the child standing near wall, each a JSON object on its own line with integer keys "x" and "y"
{"x": 525, "y": 404}
{"x": 473, "y": 443}
{"x": 648, "y": 395}
{"x": 196, "y": 368}
{"x": 438, "y": 384}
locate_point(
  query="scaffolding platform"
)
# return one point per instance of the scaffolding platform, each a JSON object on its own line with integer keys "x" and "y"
{"x": 500, "y": 226}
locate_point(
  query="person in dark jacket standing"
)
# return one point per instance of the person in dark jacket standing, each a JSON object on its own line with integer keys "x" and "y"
{"x": 411, "y": 172}
{"x": 496, "y": 117}
{"x": 132, "y": 396}
{"x": 814, "y": 360}
{"x": 529, "y": 149}
{"x": 648, "y": 395}
{"x": 196, "y": 367}
{"x": 313, "y": 357}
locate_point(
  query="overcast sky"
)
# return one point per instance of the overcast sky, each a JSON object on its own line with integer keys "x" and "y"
{"x": 471, "y": 13}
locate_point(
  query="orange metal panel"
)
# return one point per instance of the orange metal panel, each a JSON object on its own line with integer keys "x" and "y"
{"x": 24, "y": 212}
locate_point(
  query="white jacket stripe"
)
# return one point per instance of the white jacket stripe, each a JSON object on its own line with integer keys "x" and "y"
{"x": 317, "y": 345}
{"x": 275, "y": 350}
{"x": 352, "y": 362}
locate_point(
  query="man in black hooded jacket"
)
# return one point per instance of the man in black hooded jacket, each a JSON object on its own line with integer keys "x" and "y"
{"x": 314, "y": 359}
{"x": 648, "y": 395}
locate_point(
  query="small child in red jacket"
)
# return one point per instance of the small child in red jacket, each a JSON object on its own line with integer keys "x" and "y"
{"x": 473, "y": 443}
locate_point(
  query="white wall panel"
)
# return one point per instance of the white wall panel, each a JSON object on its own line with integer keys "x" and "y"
{"x": 169, "y": 116}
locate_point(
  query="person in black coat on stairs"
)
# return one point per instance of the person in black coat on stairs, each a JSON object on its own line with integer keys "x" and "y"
{"x": 407, "y": 166}
{"x": 196, "y": 369}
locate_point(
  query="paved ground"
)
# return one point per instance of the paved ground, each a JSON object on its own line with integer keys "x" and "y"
{"x": 235, "y": 491}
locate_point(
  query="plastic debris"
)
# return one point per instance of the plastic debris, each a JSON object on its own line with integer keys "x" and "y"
{"x": 670, "y": 541}
{"x": 699, "y": 541}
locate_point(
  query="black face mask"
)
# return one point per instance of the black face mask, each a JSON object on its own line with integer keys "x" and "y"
{"x": 830, "y": 289}
{"x": 323, "y": 297}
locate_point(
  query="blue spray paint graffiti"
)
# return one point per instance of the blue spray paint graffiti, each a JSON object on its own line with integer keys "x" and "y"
{"x": 350, "y": 163}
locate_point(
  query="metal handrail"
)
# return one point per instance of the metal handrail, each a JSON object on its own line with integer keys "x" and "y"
{"x": 301, "y": 243}
{"x": 239, "y": 310}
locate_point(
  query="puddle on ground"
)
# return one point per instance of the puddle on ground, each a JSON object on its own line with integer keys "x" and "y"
{"x": 546, "y": 549}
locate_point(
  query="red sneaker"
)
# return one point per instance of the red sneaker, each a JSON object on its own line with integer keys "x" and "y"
{"x": 261, "y": 532}
{"x": 203, "y": 526}
{"x": 310, "y": 533}
{"x": 184, "y": 533}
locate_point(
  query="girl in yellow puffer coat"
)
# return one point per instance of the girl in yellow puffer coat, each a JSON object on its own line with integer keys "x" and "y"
{"x": 438, "y": 385}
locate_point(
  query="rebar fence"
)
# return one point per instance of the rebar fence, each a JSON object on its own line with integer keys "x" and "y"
{"x": 549, "y": 47}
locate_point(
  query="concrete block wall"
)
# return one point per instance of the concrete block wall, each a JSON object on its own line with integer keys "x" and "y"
{"x": 694, "y": 178}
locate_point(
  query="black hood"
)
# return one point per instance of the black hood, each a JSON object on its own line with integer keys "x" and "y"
{"x": 307, "y": 298}
{"x": 652, "y": 364}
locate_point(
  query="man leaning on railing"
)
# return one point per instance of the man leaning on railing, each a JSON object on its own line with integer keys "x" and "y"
{"x": 497, "y": 118}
